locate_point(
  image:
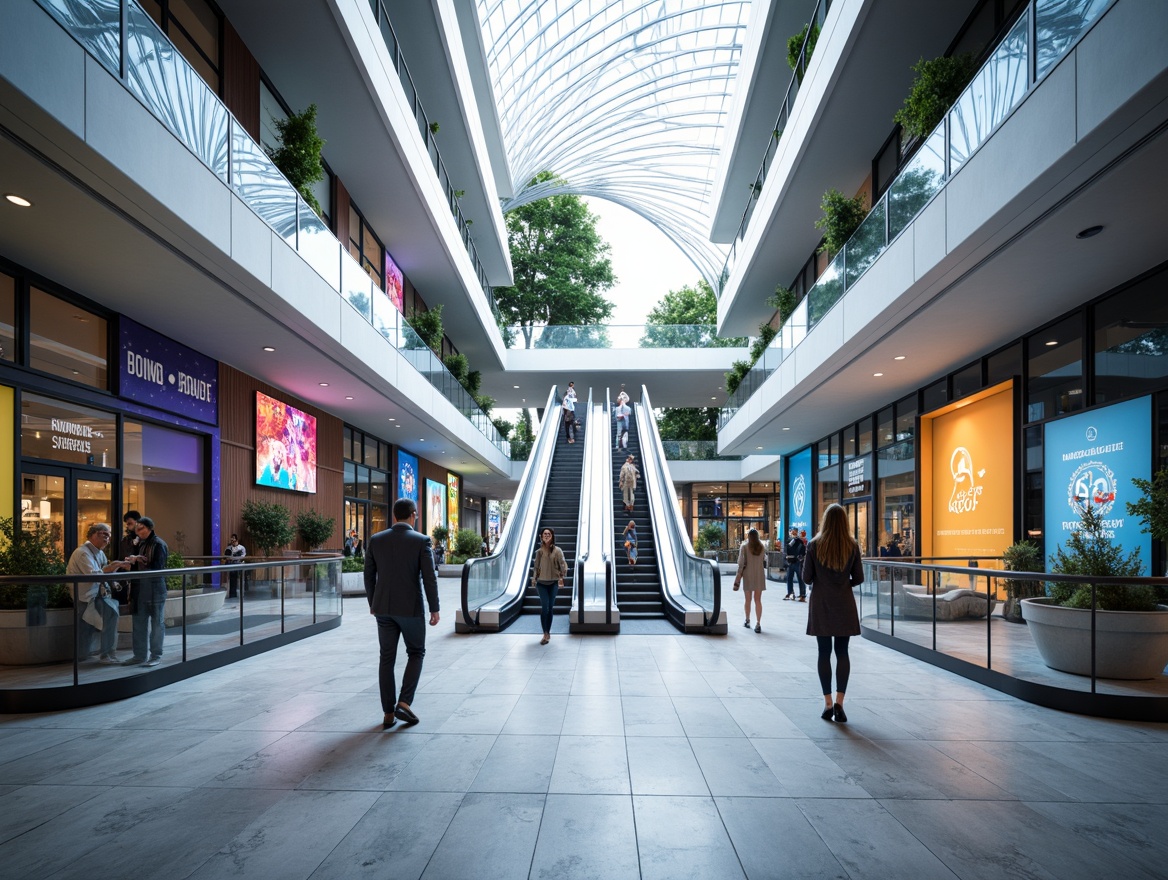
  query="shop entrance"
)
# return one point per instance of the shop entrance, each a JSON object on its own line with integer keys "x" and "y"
{"x": 68, "y": 500}
{"x": 858, "y": 518}
{"x": 357, "y": 517}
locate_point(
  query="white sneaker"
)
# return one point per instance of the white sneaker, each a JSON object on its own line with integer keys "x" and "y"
{"x": 153, "y": 661}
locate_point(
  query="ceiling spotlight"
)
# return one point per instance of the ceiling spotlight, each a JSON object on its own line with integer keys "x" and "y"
{"x": 516, "y": 387}
{"x": 268, "y": 348}
{"x": 1052, "y": 342}
{"x": 324, "y": 384}
{"x": 348, "y": 398}
{"x": 899, "y": 357}
{"x": 1089, "y": 232}
{"x": 713, "y": 398}
{"x": 786, "y": 429}
{"x": 877, "y": 375}
{"x": 392, "y": 419}
{"x": 758, "y": 447}
{"x": 19, "y": 201}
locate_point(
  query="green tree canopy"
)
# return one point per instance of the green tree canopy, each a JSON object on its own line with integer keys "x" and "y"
{"x": 561, "y": 265}
{"x": 691, "y": 306}
{"x": 688, "y": 423}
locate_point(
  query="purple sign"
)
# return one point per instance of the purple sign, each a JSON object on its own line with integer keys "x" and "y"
{"x": 160, "y": 372}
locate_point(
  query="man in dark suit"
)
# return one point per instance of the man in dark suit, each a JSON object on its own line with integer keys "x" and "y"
{"x": 398, "y": 561}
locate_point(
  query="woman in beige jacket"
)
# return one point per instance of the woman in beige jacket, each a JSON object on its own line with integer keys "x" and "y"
{"x": 752, "y": 575}
{"x": 547, "y": 577}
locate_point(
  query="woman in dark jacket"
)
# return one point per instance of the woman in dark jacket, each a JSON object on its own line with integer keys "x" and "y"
{"x": 832, "y": 566}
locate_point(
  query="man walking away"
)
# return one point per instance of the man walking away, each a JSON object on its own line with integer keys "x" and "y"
{"x": 398, "y": 563}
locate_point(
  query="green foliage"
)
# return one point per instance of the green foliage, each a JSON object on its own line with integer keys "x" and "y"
{"x": 937, "y": 86}
{"x": 485, "y": 401}
{"x": 522, "y": 437}
{"x": 841, "y": 217}
{"x": 268, "y": 525}
{"x": 688, "y": 423}
{"x": 31, "y": 551}
{"x": 459, "y": 366}
{"x": 440, "y": 534}
{"x": 1090, "y": 552}
{"x": 175, "y": 582}
{"x": 474, "y": 383}
{"x": 573, "y": 336}
{"x": 1021, "y": 556}
{"x": 766, "y": 335}
{"x": 561, "y": 264}
{"x": 711, "y": 536}
{"x": 428, "y": 326}
{"x": 782, "y": 301}
{"x": 503, "y": 426}
{"x": 692, "y": 305}
{"x": 1152, "y": 508}
{"x": 795, "y": 46}
{"x": 314, "y": 527}
{"x": 298, "y": 156}
{"x": 738, "y": 371}
{"x": 467, "y": 543}
{"x": 352, "y": 564}
{"x": 434, "y": 128}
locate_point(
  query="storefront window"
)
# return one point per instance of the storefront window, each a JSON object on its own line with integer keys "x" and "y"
{"x": 1131, "y": 340}
{"x": 57, "y": 430}
{"x": 864, "y": 436}
{"x": 1056, "y": 370}
{"x": 906, "y": 418}
{"x": 164, "y": 477}
{"x": 829, "y": 450}
{"x": 829, "y": 493}
{"x": 885, "y": 427}
{"x": 735, "y": 508}
{"x": 967, "y": 381}
{"x": 67, "y": 341}
{"x": 7, "y": 318}
{"x": 896, "y": 495}
{"x": 1004, "y": 365}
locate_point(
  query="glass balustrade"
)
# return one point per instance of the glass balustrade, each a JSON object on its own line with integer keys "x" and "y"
{"x": 632, "y": 336}
{"x": 158, "y": 75}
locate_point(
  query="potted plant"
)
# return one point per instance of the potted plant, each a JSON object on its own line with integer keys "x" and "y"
{"x": 314, "y": 528}
{"x": 298, "y": 156}
{"x": 1021, "y": 556}
{"x": 268, "y": 527}
{"x": 1131, "y": 629}
{"x": 937, "y": 86}
{"x": 1152, "y": 507}
{"x": 841, "y": 217}
{"x": 467, "y": 545}
{"x": 36, "y": 622}
{"x": 795, "y": 46}
{"x": 711, "y": 537}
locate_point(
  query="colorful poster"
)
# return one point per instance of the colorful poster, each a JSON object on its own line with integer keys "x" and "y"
{"x": 973, "y": 477}
{"x": 798, "y": 495}
{"x": 1091, "y": 458}
{"x": 407, "y": 476}
{"x": 285, "y": 446}
{"x": 394, "y": 283}
{"x": 435, "y": 505}
{"x": 453, "y": 502}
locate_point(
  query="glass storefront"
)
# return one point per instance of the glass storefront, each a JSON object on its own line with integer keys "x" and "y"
{"x": 735, "y": 507}
{"x": 367, "y": 484}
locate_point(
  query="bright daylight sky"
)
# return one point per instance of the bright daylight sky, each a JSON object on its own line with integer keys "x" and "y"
{"x": 647, "y": 265}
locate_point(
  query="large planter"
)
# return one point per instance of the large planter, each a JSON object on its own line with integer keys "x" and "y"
{"x": 24, "y": 645}
{"x": 1128, "y": 644}
{"x": 353, "y": 583}
{"x": 199, "y": 605}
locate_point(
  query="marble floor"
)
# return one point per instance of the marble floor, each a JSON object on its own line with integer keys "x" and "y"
{"x": 635, "y": 756}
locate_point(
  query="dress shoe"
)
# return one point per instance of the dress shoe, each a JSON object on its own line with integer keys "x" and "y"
{"x": 828, "y": 714}
{"x": 758, "y": 627}
{"x": 839, "y": 713}
{"x": 388, "y": 721}
{"x": 405, "y": 714}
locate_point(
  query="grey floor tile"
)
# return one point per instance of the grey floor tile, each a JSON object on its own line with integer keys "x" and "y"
{"x": 880, "y": 774}
{"x": 25, "y": 807}
{"x": 681, "y": 838}
{"x": 705, "y": 716}
{"x": 205, "y": 759}
{"x": 733, "y": 767}
{"x": 510, "y": 680}
{"x": 1134, "y": 832}
{"x": 591, "y": 765}
{"x": 518, "y": 764}
{"x": 396, "y": 838}
{"x": 805, "y": 771}
{"x": 594, "y": 715}
{"x": 491, "y": 835}
{"x": 297, "y": 710}
{"x": 650, "y": 716}
{"x": 774, "y": 840}
{"x": 664, "y": 765}
{"x": 760, "y": 717}
{"x": 586, "y": 837}
{"x": 480, "y": 713}
{"x": 284, "y": 763}
{"x": 447, "y": 762}
{"x": 365, "y": 762}
{"x": 537, "y": 714}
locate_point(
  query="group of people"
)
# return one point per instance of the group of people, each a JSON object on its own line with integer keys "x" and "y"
{"x": 99, "y": 602}
{"x": 831, "y": 564}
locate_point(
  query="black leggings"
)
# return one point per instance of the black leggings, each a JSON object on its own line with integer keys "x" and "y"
{"x": 843, "y": 663}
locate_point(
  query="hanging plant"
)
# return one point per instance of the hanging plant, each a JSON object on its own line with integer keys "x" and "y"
{"x": 795, "y": 46}
{"x": 428, "y": 326}
{"x": 841, "y": 217}
{"x": 937, "y": 86}
{"x": 783, "y": 301}
{"x": 298, "y": 156}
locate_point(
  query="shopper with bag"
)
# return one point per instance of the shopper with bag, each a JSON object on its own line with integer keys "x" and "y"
{"x": 99, "y": 611}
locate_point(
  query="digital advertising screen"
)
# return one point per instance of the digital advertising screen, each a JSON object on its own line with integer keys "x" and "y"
{"x": 285, "y": 446}
{"x": 453, "y": 502}
{"x": 435, "y": 505}
{"x": 799, "y": 513}
{"x": 1091, "y": 459}
{"x": 394, "y": 283}
{"x": 407, "y": 476}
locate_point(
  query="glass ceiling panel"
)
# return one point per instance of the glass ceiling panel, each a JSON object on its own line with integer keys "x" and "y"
{"x": 624, "y": 100}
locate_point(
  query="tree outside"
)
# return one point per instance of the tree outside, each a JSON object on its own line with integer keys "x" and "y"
{"x": 561, "y": 265}
{"x": 691, "y": 305}
{"x": 688, "y": 423}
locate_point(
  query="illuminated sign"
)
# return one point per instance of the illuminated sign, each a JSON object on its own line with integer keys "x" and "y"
{"x": 453, "y": 501}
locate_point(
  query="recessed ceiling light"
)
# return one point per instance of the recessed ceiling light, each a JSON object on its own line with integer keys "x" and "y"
{"x": 758, "y": 447}
{"x": 713, "y": 398}
{"x": 348, "y": 398}
{"x": 899, "y": 357}
{"x": 1052, "y": 342}
{"x": 877, "y": 374}
{"x": 1089, "y": 232}
{"x": 324, "y": 384}
{"x": 392, "y": 419}
{"x": 19, "y": 201}
{"x": 786, "y": 429}
{"x": 421, "y": 439}
{"x": 268, "y": 348}
{"x": 516, "y": 387}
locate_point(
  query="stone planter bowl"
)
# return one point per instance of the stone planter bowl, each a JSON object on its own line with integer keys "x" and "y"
{"x": 1130, "y": 645}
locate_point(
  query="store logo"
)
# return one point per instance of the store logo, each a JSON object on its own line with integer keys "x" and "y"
{"x": 799, "y": 496}
{"x": 1091, "y": 434}
{"x": 965, "y": 490}
{"x": 1092, "y": 483}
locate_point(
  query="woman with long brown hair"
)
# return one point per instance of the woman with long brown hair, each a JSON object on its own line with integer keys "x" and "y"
{"x": 752, "y": 575}
{"x": 832, "y": 566}
{"x": 547, "y": 576}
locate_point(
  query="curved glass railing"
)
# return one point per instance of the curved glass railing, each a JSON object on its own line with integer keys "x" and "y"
{"x": 690, "y": 584}
{"x": 1019, "y": 61}
{"x": 158, "y": 75}
{"x": 594, "y": 604}
{"x": 492, "y": 586}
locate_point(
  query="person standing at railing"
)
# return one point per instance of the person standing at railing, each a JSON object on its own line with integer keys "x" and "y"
{"x": 752, "y": 575}
{"x": 627, "y": 483}
{"x": 90, "y": 558}
{"x": 233, "y": 554}
{"x": 547, "y": 576}
{"x": 795, "y": 551}
{"x": 832, "y": 567}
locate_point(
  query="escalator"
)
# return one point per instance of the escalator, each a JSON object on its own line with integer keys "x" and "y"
{"x": 638, "y": 587}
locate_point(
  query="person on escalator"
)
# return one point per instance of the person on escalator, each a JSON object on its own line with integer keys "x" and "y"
{"x": 547, "y": 577}
{"x": 627, "y": 482}
{"x": 631, "y": 541}
{"x": 569, "y": 409}
{"x": 622, "y": 412}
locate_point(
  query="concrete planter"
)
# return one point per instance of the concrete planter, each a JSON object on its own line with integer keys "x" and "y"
{"x": 450, "y": 571}
{"x": 199, "y": 605}
{"x": 1128, "y": 644}
{"x": 24, "y": 645}
{"x": 353, "y": 583}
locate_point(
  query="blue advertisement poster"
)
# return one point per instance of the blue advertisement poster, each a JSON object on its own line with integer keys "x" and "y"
{"x": 798, "y": 495}
{"x": 160, "y": 372}
{"x": 1091, "y": 459}
{"x": 407, "y": 476}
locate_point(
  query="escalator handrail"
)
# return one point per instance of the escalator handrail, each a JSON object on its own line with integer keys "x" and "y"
{"x": 594, "y": 553}
{"x": 668, "y": 522}
{"x": 582, "y": 543}
{"x": 521, "y": 529}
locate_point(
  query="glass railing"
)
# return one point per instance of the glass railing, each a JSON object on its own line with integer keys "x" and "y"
{"x": 158, "y": 75}
{"x": 630, "y": 336}
{"x": 48, "y": 645}
{"x": 993, "y": 93}
{"x": 695, "y": 450}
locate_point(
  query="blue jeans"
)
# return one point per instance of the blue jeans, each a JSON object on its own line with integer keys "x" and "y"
{"x": 547, "y": 598}
{"x": 109, "y": 630}
{"x": 148, "y": 619}
{"x": 413, "y": 631}
{"x": 794, "y": 570}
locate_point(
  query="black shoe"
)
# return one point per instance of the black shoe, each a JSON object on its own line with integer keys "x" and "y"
{"x": 758, "y": 627}
{"x": 388, "y": 721}
{"x": 405, "y": 715}
{"x": 839, "y": 713}
{"x": 828, "y": 714}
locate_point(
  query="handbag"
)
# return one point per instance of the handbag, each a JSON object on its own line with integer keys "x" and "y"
{"x": 628, "y": 544}
{"x": 92, "y": 615}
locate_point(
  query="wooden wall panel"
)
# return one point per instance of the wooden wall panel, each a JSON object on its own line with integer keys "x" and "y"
{"x": 237, "y": 458}
{"x": 241, "y": 84}
{"x": 341, "y": 204}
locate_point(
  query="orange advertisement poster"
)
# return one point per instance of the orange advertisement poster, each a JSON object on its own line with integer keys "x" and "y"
{"x": 973, "y": 478}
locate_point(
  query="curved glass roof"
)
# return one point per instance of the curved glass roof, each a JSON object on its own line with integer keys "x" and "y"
{"x": 622, "y": 99}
